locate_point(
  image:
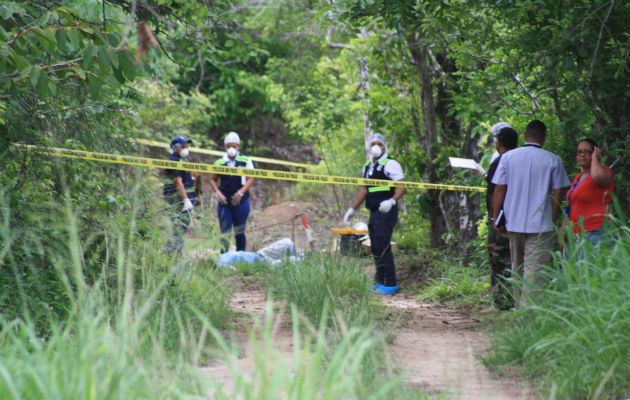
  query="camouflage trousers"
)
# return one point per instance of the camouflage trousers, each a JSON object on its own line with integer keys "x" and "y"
{"x": 500, "y": 263}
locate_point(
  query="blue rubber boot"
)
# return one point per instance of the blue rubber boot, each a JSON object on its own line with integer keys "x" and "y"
{"x": 389, "y": 290}
{"x": 376, "y": 288}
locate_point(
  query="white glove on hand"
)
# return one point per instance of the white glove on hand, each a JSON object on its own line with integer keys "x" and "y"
{"x": 188, "y": 205}
{"x": 386, "y": 205}
{"x": 220, "y": 197}
{"x": 349, "y": 214}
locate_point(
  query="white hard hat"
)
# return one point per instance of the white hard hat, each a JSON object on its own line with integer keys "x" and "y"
{"x": 496, "y": 128}
{"x": 232, "y": 137}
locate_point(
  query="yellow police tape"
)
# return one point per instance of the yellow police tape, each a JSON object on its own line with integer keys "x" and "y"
{"x": 220, "y": 153}
{"x": 257, "y": 173}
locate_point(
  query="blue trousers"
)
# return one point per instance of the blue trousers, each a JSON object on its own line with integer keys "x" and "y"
{"x": 233, "y": 216}
{"x": 380, "y": 228}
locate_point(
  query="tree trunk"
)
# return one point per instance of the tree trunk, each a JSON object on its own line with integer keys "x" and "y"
{"x": 419, "y": 54}
{"x": 365, "y": 93}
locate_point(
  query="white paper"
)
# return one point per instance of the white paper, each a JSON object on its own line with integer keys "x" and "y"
{"x": 466, "y": 163}
{"x": 500, "y": 219}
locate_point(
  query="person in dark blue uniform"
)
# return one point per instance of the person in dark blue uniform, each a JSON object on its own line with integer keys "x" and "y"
{"x": 381, "y": 201}
{"x": 179, "y": 192}
{"x": 505, "y": 139}
{"x": 232, "y": 192}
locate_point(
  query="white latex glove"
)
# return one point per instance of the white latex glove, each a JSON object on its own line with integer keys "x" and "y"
{"x": 187, "y": 205}
{"x": 349, "y": 214}
{"x": 220, "y": 197}
{"x": 386, "y": 205}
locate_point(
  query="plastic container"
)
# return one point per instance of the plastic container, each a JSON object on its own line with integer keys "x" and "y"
{"x": 349, "y": 243}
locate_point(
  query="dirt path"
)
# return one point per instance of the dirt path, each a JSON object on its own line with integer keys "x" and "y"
{"x": 436, "y": 346}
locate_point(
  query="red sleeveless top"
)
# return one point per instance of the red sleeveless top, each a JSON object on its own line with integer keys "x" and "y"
{"x": 588, "y": 200}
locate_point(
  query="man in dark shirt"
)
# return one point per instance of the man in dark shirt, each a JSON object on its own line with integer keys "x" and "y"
{"x": 498, "y": 244}
{"x": 179, "y": 192}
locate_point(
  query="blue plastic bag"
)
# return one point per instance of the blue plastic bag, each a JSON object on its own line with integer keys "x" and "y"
{"x": 230, "y": 258}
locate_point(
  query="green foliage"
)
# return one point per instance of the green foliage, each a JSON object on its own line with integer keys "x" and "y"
{"x": 43, "y": 49}
{"x": 456, "y": 283}
{"x": 346, "y": 363}
{"x": 115, "y": 340}
{"x": 166, "y": 112}
{"x": 66, "y": 75}
{"x": 172, "y": 322}
{"x": 88, "y": 359}
{"x": 412, "y": 231}
{"x": 574, "y": 337}
{"x": 321, "y": 279}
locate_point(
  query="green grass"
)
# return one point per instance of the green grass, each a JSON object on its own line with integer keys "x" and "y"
{"x": 345, "y": 362}
{"x": 322, "y": 279}
{"x": 456, "y": 283}
{"x": 128, "y": 332}
{"x": 574, "y": 339}
{"x": 143, "y": 329}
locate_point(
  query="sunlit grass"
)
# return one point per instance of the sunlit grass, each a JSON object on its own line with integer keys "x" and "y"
{"x": 347, "y": 362}
{"x": 575, "y": 337}
{"x": 144, "y": 329}
{"x": 322, "y": 279}
{"x": 465, "y": 285}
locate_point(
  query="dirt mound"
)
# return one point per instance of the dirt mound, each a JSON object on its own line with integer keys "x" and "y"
{"x": 285, "y": 220}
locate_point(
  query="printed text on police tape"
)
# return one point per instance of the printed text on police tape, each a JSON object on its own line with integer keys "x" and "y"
{"x": 258, "y": 173}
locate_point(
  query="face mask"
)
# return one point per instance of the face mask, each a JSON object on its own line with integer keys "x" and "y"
{"x": 376, "y": 150}
{"x": 232, "y": 152}
{"x": 183, "y": 153}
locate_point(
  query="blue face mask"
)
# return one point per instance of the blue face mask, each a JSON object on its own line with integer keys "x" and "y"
{"x": 183, "y": 153}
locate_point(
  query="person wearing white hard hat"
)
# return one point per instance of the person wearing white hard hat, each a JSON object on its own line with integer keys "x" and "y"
{"x": 232, "y": 192}
{"x": 381, "y": 201}
{"x": 498, "y": 244}
{"x": 179, "y": 191}
{"x": 496, "y": 128}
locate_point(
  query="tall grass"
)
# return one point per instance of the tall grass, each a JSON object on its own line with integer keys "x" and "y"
{"x": 465, "y": 285}
{"x": 574, "y": 338}
{"x": 322, "y": 279}
{"x": 142, "y": 331}
{"x": 127, "y": 333}
{"x": 346, "y": 356}
{"x": 350, "y": 366}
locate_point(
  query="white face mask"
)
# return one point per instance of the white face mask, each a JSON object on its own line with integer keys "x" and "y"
{"x": 232, "y": 152}
{"x": 376, "y": 150}
{"x": 183, "y": 153}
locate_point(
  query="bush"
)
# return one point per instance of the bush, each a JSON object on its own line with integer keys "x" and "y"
{"x": 575, "y": 337}
{"x": 466, "y": 285}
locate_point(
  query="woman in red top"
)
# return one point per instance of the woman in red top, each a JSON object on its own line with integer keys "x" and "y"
{"x": 590, "y": 192}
